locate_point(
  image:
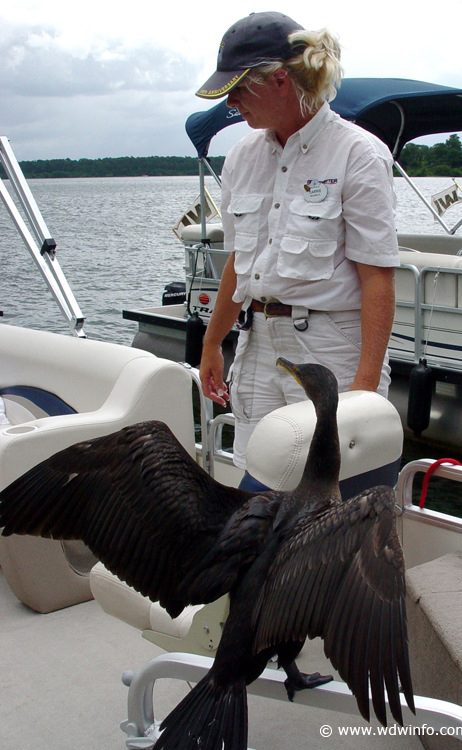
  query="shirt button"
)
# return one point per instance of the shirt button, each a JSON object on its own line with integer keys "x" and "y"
{"x": 284, "y": 169}
{"x": 304, "y": 148}
{"x": 270, "y": 241}
{"x": 277, "y": 205}
{"x": 263, "y": 299}
{"x": 257, "y": 276}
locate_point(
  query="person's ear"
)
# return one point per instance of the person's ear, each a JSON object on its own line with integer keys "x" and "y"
{"x": 280, "y": 79}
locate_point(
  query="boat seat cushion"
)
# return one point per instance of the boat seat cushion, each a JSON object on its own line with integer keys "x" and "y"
{"x": 193, "y": 233}
{"x": 126, "y": 604}
{"x": 434, "y": 609}
{"x": 23, "y": 403}
{"x": 371, "y": 441}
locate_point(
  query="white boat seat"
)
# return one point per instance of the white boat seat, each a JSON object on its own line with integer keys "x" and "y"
{"x": 197, "y": 630}
{"x": 434, "y": 610}
{"x": 106, "y": 387}
{"x": 371, "y": 441}
{"x": 192, "y": 233}
{"x": 431, "y": 243}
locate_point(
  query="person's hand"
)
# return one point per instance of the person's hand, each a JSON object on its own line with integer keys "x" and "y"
{"x": 211, "y": 374}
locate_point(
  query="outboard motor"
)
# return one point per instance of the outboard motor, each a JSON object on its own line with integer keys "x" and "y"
{"x": 174, "y": 293}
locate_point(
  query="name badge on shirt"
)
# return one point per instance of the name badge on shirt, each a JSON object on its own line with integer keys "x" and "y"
{"x": 314, "y": 191}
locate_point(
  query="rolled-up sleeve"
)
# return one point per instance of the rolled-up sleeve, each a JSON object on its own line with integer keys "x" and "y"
{"x": 369, "y": 210}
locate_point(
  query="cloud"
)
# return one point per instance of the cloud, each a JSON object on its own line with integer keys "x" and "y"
{"x": 97, "y": 79}
{"x": 104, "y": 99}
{"x": 37, "y": 65}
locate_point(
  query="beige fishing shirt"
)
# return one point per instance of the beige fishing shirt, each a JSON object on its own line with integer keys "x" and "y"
{"x": 299, "y": 217}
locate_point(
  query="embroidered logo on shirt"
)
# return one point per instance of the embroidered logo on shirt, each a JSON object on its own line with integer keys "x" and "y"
{"x": 329, "y": 181}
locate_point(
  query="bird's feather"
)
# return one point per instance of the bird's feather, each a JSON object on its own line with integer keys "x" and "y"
{"x": 137, "y": 499}
{"x": 341, "y": 577}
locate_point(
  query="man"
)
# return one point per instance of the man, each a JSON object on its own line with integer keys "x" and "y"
{"x": 308, "y": 216}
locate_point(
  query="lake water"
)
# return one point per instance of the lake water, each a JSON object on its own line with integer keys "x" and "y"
{"x": 117, "y": 248}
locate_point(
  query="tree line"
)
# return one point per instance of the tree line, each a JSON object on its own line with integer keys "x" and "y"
{"x": 440, "y": 160}
{"x": 124, "y": 166}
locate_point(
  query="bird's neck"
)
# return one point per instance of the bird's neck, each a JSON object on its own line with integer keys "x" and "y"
{"x": 323, "y": 462}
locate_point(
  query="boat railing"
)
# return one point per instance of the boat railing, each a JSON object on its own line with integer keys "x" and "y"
{"x": 217, "y": 451}
{"x": 426, "y": 533}
{"x": 142, "y": 725}
{"x": 38, "y": 240}
{"x": 427, "y": 319}
{"x": 210, "y": 447}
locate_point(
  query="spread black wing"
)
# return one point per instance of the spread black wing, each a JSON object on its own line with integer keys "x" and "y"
{"x": 137, "y": 499}
{"x": 341, "y": 577}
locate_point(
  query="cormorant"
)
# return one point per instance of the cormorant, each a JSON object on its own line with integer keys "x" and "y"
{"x": 296, "y": 564}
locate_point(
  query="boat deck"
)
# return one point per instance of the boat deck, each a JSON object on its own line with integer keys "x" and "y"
{"x": 61, "y": 688}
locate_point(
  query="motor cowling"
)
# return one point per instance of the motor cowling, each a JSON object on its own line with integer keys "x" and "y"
{"x": 174, "y": 293}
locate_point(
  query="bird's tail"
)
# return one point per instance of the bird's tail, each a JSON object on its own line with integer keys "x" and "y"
{"x": 209, "y": 717}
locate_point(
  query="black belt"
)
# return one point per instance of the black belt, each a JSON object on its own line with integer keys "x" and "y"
{"x": 271, "y": 309}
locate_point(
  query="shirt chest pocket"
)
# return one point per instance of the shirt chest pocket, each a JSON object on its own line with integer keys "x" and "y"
{"x": 247, "y": 213}
{"x": 314, "y": 220}
{"x": 306, "y": 259}
{"x": 308, "y": 247}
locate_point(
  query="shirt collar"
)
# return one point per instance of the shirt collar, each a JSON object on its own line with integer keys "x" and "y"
{"x": 307, "y": 133}
{"x": 311, "y": 130}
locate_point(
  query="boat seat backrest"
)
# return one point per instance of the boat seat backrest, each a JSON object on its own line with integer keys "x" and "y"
{"x": 80, "y": 371}
{"x": 23, "y": 403}
{"x": 89, "y": 388}
{"x": 431, "y": 243}
{"x": 371, "y": 440}
{"x": 59, "y": 390}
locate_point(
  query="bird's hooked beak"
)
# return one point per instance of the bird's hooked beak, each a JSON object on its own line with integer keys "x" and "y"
{"x": 290, "y": 368}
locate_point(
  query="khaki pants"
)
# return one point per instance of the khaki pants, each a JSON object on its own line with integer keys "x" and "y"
{"x": 258, "y": 386}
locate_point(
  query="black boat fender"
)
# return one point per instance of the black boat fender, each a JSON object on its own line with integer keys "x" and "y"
{"x": 420, "y": 397}
{"x": 195, "y": 329}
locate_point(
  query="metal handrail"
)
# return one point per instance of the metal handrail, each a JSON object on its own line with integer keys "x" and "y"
{"x": 211, "y": 445}
{"x": 43, "y": 247}
{"x": 216, "y": 440}
{"x": 420, "y": 307}
{"x": 404, "y": 490}
{"x": 142, "y": 724}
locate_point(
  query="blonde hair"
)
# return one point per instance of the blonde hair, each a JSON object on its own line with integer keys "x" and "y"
{"x": 315, "y": 71}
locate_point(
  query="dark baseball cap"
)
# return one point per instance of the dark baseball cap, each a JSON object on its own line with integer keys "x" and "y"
{"x": 256, "y": 40}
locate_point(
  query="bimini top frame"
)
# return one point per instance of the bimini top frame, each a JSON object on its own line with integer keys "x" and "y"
{"x": 39, "y": 242}
{"x": 396, "y": 110}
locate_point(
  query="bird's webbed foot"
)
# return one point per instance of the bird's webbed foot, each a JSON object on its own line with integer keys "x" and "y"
{"x": 297, "y": 680}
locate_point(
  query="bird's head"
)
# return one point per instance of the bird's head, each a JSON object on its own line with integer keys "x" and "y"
{"x": 316, "y": 380}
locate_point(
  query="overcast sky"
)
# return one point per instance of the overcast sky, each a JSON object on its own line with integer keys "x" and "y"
{"x": 97, "y": 78}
